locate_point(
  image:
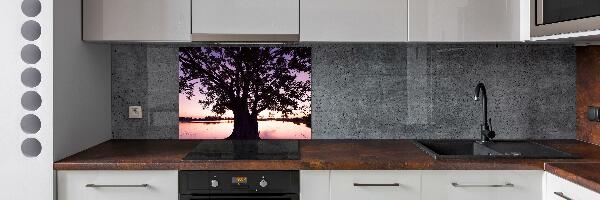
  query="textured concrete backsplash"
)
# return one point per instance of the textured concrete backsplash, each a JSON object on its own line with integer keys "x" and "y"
{"x": 382, "y": 91}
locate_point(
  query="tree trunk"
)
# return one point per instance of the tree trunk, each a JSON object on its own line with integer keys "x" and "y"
{"x": 245, "y": 126}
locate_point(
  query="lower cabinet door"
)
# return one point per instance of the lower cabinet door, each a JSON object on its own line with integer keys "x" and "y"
{"x": 314, "y": 184}
{"x": 117, "y": 185}
{"x": 375, "y": 185}
{"x": 560, "y": 189}
{"x": 482, "y": 185}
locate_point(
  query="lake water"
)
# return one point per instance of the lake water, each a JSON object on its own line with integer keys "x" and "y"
{"x": 221, "y": 129}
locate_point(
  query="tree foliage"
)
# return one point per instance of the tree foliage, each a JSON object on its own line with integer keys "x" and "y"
{"x": 246, "y": 80}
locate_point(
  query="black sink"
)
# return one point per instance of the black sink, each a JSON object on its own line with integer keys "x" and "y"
{"x": 469, "y": 149}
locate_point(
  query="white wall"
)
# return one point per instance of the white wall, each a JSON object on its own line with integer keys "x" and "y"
{"x": 82, "y": 86}
{"x": 76, "y": 74}
{"x": 22, "y": 177}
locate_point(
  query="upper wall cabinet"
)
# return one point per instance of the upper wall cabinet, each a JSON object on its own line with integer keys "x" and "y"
{"x": 245, "y": 20}
{"x": 307, "y": 20}
{"x": 468, "y": 20}
{"x": 354, "y": 20}
{"x": 136, "y": 20}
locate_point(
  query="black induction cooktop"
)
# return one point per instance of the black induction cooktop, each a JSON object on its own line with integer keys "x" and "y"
{"x": 245, "y": 150}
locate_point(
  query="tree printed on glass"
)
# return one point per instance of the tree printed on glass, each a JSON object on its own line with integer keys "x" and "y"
{"x": 244, "y": 93}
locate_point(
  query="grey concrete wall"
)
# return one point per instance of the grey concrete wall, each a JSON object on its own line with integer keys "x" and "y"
{"x": 381, "y": 91}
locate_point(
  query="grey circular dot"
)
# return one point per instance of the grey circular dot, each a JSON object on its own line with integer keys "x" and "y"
{"x": 31, "y": 147}
{"x": 31, "y": 124}
{"x": 31, "y": 77}
{"x": 31, "y": 100}
{"x": 31, "y": 30}
{"x": 31, "y": 54}
{"x": 31, "y": 8}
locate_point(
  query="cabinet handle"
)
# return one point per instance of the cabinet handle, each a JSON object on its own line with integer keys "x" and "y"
{"x": 376, "y": 184}
{"x": 468, "y": 186}
{"x": 562, "y": 195}
{"x": 115, "y": 186}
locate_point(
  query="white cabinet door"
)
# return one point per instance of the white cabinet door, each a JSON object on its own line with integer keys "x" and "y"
{"x": 354, "y": 20}
{"x": 314, "y": 185}
{"x": 117, "y": 185}
{"x": 375, "y": 185}
{"x": 482, "y": 185}
{"x": 222, "y": 18}
{"x": 560, "y": 189}
{"x": 136, "y": 20}
{"x": 468, "y": 21}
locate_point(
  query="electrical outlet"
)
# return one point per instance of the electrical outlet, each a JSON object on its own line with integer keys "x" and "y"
{"x": 135, "y": 112}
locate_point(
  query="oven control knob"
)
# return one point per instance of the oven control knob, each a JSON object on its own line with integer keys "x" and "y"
{"x": 214, "y": 183}
{"x": 263, "y": 183}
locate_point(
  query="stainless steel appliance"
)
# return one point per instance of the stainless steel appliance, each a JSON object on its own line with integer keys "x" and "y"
{"x": 552, "y": 17}
{"x": 239, "y": 185}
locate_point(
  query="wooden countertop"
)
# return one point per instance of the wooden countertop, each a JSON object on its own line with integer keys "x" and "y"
{"x": 584, "y": 174}
{"x": 331, "y": 155}
{"x": 314, "y": 154}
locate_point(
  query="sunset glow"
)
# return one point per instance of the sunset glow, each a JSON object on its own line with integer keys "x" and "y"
{"x": 198, "y": 120}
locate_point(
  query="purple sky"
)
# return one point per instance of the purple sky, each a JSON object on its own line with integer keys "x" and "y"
{"x": 191, "y": 108}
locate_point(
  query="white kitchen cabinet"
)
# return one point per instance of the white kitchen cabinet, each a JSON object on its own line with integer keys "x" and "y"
{"x": 354, "y": 20}
{"x": 468, "y": 21}
{"x": 314, "y": 185}
{"x": 136, "y": 20}
{"x": 117, "y": 185}
{"x": 375, "y": 185}
{"x": 560, "y": 189}
{"x": 482, "y": 185}
{"x": 245, "y": 20}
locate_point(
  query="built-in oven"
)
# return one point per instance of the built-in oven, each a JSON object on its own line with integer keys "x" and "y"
{"x": 552, "y": 17}
{"x": 239, "y": 185}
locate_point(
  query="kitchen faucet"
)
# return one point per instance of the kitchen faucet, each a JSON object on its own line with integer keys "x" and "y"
{"x": 487, "y": 134}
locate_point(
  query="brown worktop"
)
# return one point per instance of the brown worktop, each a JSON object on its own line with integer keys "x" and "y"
{"x": 584, "y": 174}
{"x": 314, "y": 154}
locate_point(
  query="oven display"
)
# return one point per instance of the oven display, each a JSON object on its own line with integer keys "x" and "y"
{"x": 239, "y": 180}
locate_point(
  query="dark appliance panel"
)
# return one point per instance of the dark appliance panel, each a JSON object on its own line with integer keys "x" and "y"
{"x": 554, "y": 11}
{"x": 189, "y": 182}
{"x": 237, "y": 185}
{"x": 273, "y": 182}
{"x": 270, "y": 197}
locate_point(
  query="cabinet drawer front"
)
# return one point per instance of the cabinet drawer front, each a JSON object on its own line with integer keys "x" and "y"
{"x": 314, "y": 184}
{"x": 376, "y": 185}
{"x": 560, "y": 189}
{"x": 354, "y": 20}
{"x": 117, "y": 185}
{"x": 467, "y": 21}
{"x": 245, "y": 17}
{"x": 136, "y": 20}
{"x": 482, "y": 185}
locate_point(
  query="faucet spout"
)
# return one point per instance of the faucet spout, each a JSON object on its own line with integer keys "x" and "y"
{"x": 480, "y": 94}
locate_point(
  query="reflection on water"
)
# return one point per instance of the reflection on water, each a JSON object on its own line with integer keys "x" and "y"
{"x": 221, "y": 129}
